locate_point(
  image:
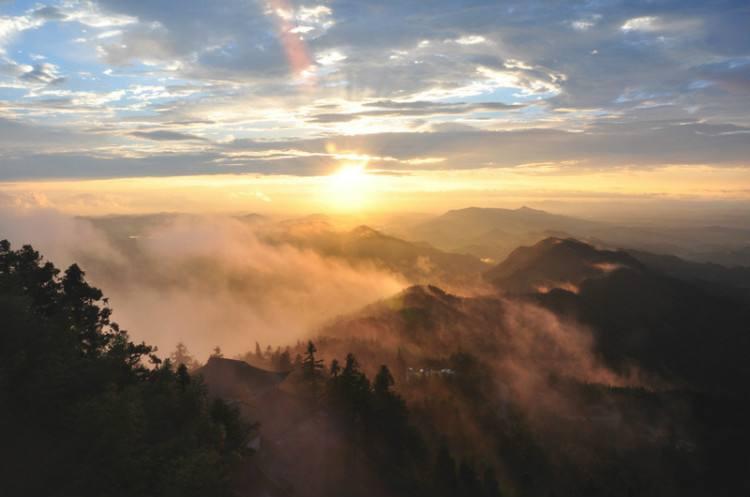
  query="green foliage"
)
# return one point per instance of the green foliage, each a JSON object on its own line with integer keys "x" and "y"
{"x": 377, "y": 421}
{"x": 85, "y": 411}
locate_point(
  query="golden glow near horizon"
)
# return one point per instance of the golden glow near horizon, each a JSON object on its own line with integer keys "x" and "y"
{"x": 355, "y": 188}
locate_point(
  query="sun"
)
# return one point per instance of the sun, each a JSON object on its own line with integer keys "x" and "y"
{"x": 348, "y": 187}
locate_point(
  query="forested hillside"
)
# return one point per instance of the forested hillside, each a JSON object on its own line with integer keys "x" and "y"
{"x": 87, "y": 412}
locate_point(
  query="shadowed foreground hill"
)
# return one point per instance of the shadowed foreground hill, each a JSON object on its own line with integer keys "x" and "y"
{"x": 229, "y": 378}
{"x": 556, "y": 262}
{"x": 689, "y": 331}
{"x": 553, "y": 396}
{"x": 84, "y": 413}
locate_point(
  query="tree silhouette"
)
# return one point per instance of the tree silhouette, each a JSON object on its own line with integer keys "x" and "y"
{"x": 335, "y": 368}
{"x": 182, "y": 356}
{"x": 383, "y": 382}
{"x": 92, "y": 412}
{"x": 285, "y": 361}
{"x": 312, "y": 371}
{"x": 311, "y": 367}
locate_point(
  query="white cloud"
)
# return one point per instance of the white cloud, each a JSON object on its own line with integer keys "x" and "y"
{"x": 109, "y": 34}
{"x": 330, "y": 58}
{"x": 653, "y": 24}
{"x": 11, "y": 26}
{"x": 471, "y": 40}
{"x": 647, "y": 23}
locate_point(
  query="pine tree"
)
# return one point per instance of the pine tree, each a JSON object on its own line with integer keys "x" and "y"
{"x": 182, "y": 356}
{"x": 285, "y": 361}
{"x": 312, "y": 372}
{"x": 383, "y": 382}
{"x": 335, "y": 368}
{"x": 311, "y": 367}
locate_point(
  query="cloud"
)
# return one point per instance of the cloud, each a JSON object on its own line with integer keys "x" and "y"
{"x": 647, "y": 23}
{"x": 163, "y": 135}
{"x": 44, "y": 73}
{"x": 389, "y": 108}
{"x": 596, "y": 147}
{"x": 205, "y": 281}
{"x": 286, "y": 72}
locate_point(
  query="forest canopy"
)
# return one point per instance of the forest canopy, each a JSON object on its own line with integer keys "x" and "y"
{"x": 88, "y": 412}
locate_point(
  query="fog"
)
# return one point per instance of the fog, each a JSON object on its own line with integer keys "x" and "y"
{"x": 205, "y": 281}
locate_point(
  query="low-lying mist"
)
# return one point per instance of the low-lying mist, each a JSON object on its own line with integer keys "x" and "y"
{"x": 206, "y": 281}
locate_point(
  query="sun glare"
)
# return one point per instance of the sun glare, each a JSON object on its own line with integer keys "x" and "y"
{"x": 348, "y": 187}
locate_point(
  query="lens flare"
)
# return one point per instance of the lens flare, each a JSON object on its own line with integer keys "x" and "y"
{"x": 294, "y": 46}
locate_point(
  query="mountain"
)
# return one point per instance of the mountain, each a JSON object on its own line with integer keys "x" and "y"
{"x": 637, "y": 374}
{"x": 705, "y": 272}
{"x": 680, "y": 328}
{"x": 233, "y": 379}
{"x": 493, "y": 232}
{"x": 424, "y": 318}
{"x": 417, "y": 262}
{"x": 623, "y": 381}
{"x": 556, "y": 263}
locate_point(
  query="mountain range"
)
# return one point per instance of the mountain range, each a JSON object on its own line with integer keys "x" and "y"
{"x": 492, "y": 233}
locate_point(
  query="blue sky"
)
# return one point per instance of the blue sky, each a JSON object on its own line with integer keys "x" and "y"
{"x": 122, "y": 88}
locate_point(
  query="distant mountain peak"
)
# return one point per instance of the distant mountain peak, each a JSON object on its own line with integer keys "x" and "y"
{"x": 232, "y": 378}
{"x": 556, "y": 263}
{"x": 525, "y": 208}
{"x": 364, "y": 231}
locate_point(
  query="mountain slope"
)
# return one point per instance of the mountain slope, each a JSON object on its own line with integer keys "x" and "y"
{"x": 683, "y": 330}
{"x": 419, "y": 263}
{"x": 231, "y": 379}
{"x": 706, "y": 272}
{"x": 492, "y": 232}
{"x": 555, "y": 263}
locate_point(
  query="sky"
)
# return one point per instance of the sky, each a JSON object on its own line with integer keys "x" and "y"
{"x": 249, "y": 105}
